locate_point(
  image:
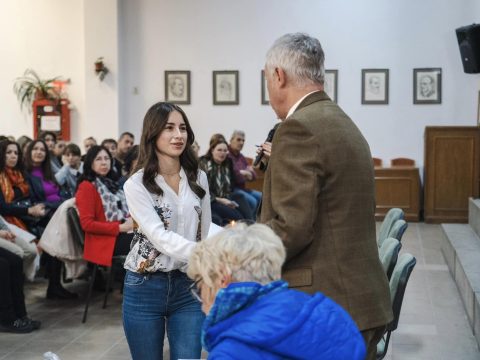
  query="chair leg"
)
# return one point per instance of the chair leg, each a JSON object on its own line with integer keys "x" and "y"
{"x": 111, "y": 274}
{"x": 90, "y": 290}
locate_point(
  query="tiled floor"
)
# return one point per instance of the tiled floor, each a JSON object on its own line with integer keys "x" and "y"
{"x": 433, "y": 323}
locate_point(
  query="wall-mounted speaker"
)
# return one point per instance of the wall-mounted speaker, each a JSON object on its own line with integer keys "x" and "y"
{"x": 469, "y": 43}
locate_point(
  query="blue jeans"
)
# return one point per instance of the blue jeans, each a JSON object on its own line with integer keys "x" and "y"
{"x": 152, "y": 300}
{"x": 253, "y": 198}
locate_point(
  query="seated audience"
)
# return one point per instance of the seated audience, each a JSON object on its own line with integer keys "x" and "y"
{"x": 50, "y": 139}
{"x": 125, "y": 143}
{"x": 13, "y": 312}
{"x": 129, "y": 164}
{"x": 243, "y": 171}
{"x": 251, "y": 312}
{"x": 70, "y": 171}
{"x": 87, "y": 144}
{"x": 102, "y": 209}
{"x": 45, "y": 190}
{"x": 23, "y": 141}
{"x": 111, "y": 146}
{"x": 226, "y": 206}
{"x": 59, "y": 149}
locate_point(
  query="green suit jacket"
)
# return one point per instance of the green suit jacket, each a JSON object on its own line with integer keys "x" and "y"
{"x": 319, "y": 197}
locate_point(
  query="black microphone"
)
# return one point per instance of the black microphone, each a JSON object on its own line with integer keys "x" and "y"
{"x": 269, "y": 139}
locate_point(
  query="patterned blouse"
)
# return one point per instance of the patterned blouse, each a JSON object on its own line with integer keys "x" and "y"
{"x": 168, "y": 226}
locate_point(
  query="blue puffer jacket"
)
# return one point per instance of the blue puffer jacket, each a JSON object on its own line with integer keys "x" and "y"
{"x": 251, "y": 321}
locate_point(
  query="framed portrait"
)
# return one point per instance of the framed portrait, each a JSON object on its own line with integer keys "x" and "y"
{"x": 265, "y": 99}
{"x": 331, "y": 83}
{"x": 225, "y": 88}
{"x": 375, "y": 86}
{"x": 427, "y": 86}
{"x": 177, "y": 87}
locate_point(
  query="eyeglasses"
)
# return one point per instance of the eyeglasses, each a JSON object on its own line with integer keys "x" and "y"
{"x": 195, "y": 291}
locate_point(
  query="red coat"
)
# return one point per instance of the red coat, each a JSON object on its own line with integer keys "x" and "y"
{"x": 100, "y": 234}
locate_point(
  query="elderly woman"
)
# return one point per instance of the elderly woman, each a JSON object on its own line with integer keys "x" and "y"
{"x": 251, "y": 313}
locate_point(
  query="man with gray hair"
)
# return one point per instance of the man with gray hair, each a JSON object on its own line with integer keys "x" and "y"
{"x": 319, "y": 194}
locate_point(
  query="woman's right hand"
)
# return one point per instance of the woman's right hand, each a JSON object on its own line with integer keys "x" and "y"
{"x": 37, "y": 210}
{"x": 127, "y": 226}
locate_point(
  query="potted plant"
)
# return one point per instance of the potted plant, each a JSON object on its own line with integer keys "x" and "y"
{"x": 30, "y": 87}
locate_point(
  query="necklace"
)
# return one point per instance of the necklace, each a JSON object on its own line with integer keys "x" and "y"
{"x": 170, "y": 174}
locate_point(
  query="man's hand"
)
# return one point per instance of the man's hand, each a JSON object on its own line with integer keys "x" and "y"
{"x": 246, "y": 174}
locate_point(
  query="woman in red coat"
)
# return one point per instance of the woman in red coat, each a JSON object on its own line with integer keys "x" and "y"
{"x": 102, "y": 209}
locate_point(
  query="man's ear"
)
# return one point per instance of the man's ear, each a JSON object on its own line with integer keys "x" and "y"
{"x": 280, "y": 77}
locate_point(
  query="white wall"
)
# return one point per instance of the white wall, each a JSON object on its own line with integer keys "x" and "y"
{"x": 202, "y": 36}
{"x": 141, "y": 39}
{"x": 46, "y": 36}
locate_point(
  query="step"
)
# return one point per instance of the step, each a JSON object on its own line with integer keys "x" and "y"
{"x": 474, "y": 215}
{"x": 461, "y": 249}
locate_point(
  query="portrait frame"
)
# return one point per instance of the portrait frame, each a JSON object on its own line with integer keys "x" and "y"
{"x": 225, "y": 87}
{"x": 174, "y": 93}
{"x": 427, "y": 86}
{"x": 265, "y": 100}
{"x": 331, "y": 84}
{"x": 375, "y": 85}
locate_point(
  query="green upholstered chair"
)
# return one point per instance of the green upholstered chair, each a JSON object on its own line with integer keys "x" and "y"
{"x": 398, "y": 229}
{"x": 391, "y": 217}
{"x": 398, "y": 284}
{"x": 388, "y": 254}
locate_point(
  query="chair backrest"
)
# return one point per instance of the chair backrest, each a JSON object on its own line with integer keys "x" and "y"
{"x": 388, "y": 254}
{"x": 398, "y": 283}
{"x": 391, "y": 217}
{"x": 398, "y": 229}
{"x": 377, "y": 161}
{"x": 75, "y": 227}
{"x": 402, "y": 162}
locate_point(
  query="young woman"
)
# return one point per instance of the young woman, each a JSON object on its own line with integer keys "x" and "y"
{"x": 226, "y": 205}
{"x": 169, "y": 201}
{"x": 102, "y": 209}
{"x": 45, "y": 190}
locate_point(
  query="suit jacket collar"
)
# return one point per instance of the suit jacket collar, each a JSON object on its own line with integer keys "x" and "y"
{"x": 310, "y": 99}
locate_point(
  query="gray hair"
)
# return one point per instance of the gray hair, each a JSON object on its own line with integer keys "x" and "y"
{"x": 300, "y": 56}
{"x": 252, "y": 253}
{"x": 237, "y": 133}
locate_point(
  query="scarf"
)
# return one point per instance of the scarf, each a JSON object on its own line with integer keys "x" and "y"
{"x": 9, "y": 179}
{"x": 114, "y": 204}
{"x": 232, "y": 299}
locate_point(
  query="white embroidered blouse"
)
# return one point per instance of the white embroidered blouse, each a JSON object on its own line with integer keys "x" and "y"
{"x": 168, "y": 226}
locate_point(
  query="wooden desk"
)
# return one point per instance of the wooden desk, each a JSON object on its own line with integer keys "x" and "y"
{"x": 397, "y": 186}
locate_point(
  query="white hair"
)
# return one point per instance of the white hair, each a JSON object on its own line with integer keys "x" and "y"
{"x": 237, "y": 133}
{"x": 252, "y": 253}
{"x": 300, "y": 56}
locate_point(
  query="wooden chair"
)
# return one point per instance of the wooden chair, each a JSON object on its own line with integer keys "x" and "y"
{"x": 402, "y": 162}
{"x": 79, "y": 236}
{"x": 377, "y": 162}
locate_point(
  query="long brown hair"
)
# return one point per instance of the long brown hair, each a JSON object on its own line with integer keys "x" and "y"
{"x": 45, "y": 166}
{"x": 154, "y": 122}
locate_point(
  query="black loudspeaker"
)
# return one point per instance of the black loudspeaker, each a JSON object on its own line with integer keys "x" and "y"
{"x": 469, "y": 43}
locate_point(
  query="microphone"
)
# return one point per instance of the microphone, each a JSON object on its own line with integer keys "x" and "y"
{"x": 269, "y": 139}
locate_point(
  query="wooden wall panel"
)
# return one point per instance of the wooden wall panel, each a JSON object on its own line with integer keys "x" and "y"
{"x": 451, "y": 172}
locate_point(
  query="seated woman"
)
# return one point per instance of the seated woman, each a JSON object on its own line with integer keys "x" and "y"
{"x": 13, "y": 313}
{"x": 226, "y": 206}
{"x": 14, "y": 189}
{"x": 102, "y": 209}
{"x": 252, "y": 314}
{"x": 45, "y": 190}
